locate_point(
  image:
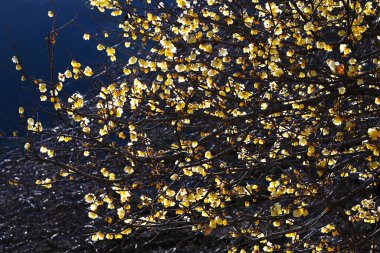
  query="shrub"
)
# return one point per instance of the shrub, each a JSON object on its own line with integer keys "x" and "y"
{"x": 249, "y": 123}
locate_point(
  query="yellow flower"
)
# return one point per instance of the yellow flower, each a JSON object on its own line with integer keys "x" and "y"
{"x": 121, "y": 213}
{"x": 86, "y": 36}
{"x": 300, "y": 212}
{"x": 43, "y": 149}
{"x": 126, "y": 231}
{"x": 276, "y": 209}
{"x": 180, "y": 68}
{"x": 90, "y": 198}
{"x": 119, "y": 112}
{"x": 373, "y": 133}
{"x": 110, "y": 51}
{"x": 344, "y": 49}
{"x": 332, "y": 65}
{"x": 118, "y": 236}
{"x": 100, "y": 47}
{"x": 92, "y": 215}
{"x": 264, "y": 106}
{"x": 128, "y": 169}
{"x": 132, "y": 60}
{"x": 68, "y": 74}
{"x": 75, "y": 64}
{"x": 244, "y": 94}
{"x": 310, "y": 151}
{"x": 337, "y": 121}
{"x": 303, "y": 141}
{"x": 183, "y": 4}
{"x": 42, "y": 87}
{"x": 217, "y": 63}
{"x": 88, "y": 71}
{"x": 47, "y": 183}
{"x": 50, "y": 153}
{"x": 27, "y": 146}
{"x": 174, "y": 177}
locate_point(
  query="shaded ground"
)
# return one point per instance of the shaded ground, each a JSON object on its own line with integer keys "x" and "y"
{"x": 38, "y": 220}
{"x": 34, "y": 219}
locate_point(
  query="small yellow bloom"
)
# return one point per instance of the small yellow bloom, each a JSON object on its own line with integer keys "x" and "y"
{"x": 208, "y": 155}
{"x": 88, "y": 71}
{"x": 89, "y": 198}
{"x": 86, "y": 36}
{"x": 373, "y": 133}
{"x": 92, "y": 215}
{"x": 132, "y": 60}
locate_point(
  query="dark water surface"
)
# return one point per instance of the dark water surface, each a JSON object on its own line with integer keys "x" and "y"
{"x": 28, "y": 24}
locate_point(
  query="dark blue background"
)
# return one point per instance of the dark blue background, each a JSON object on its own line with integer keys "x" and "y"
{"x": 28, "y": 25}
